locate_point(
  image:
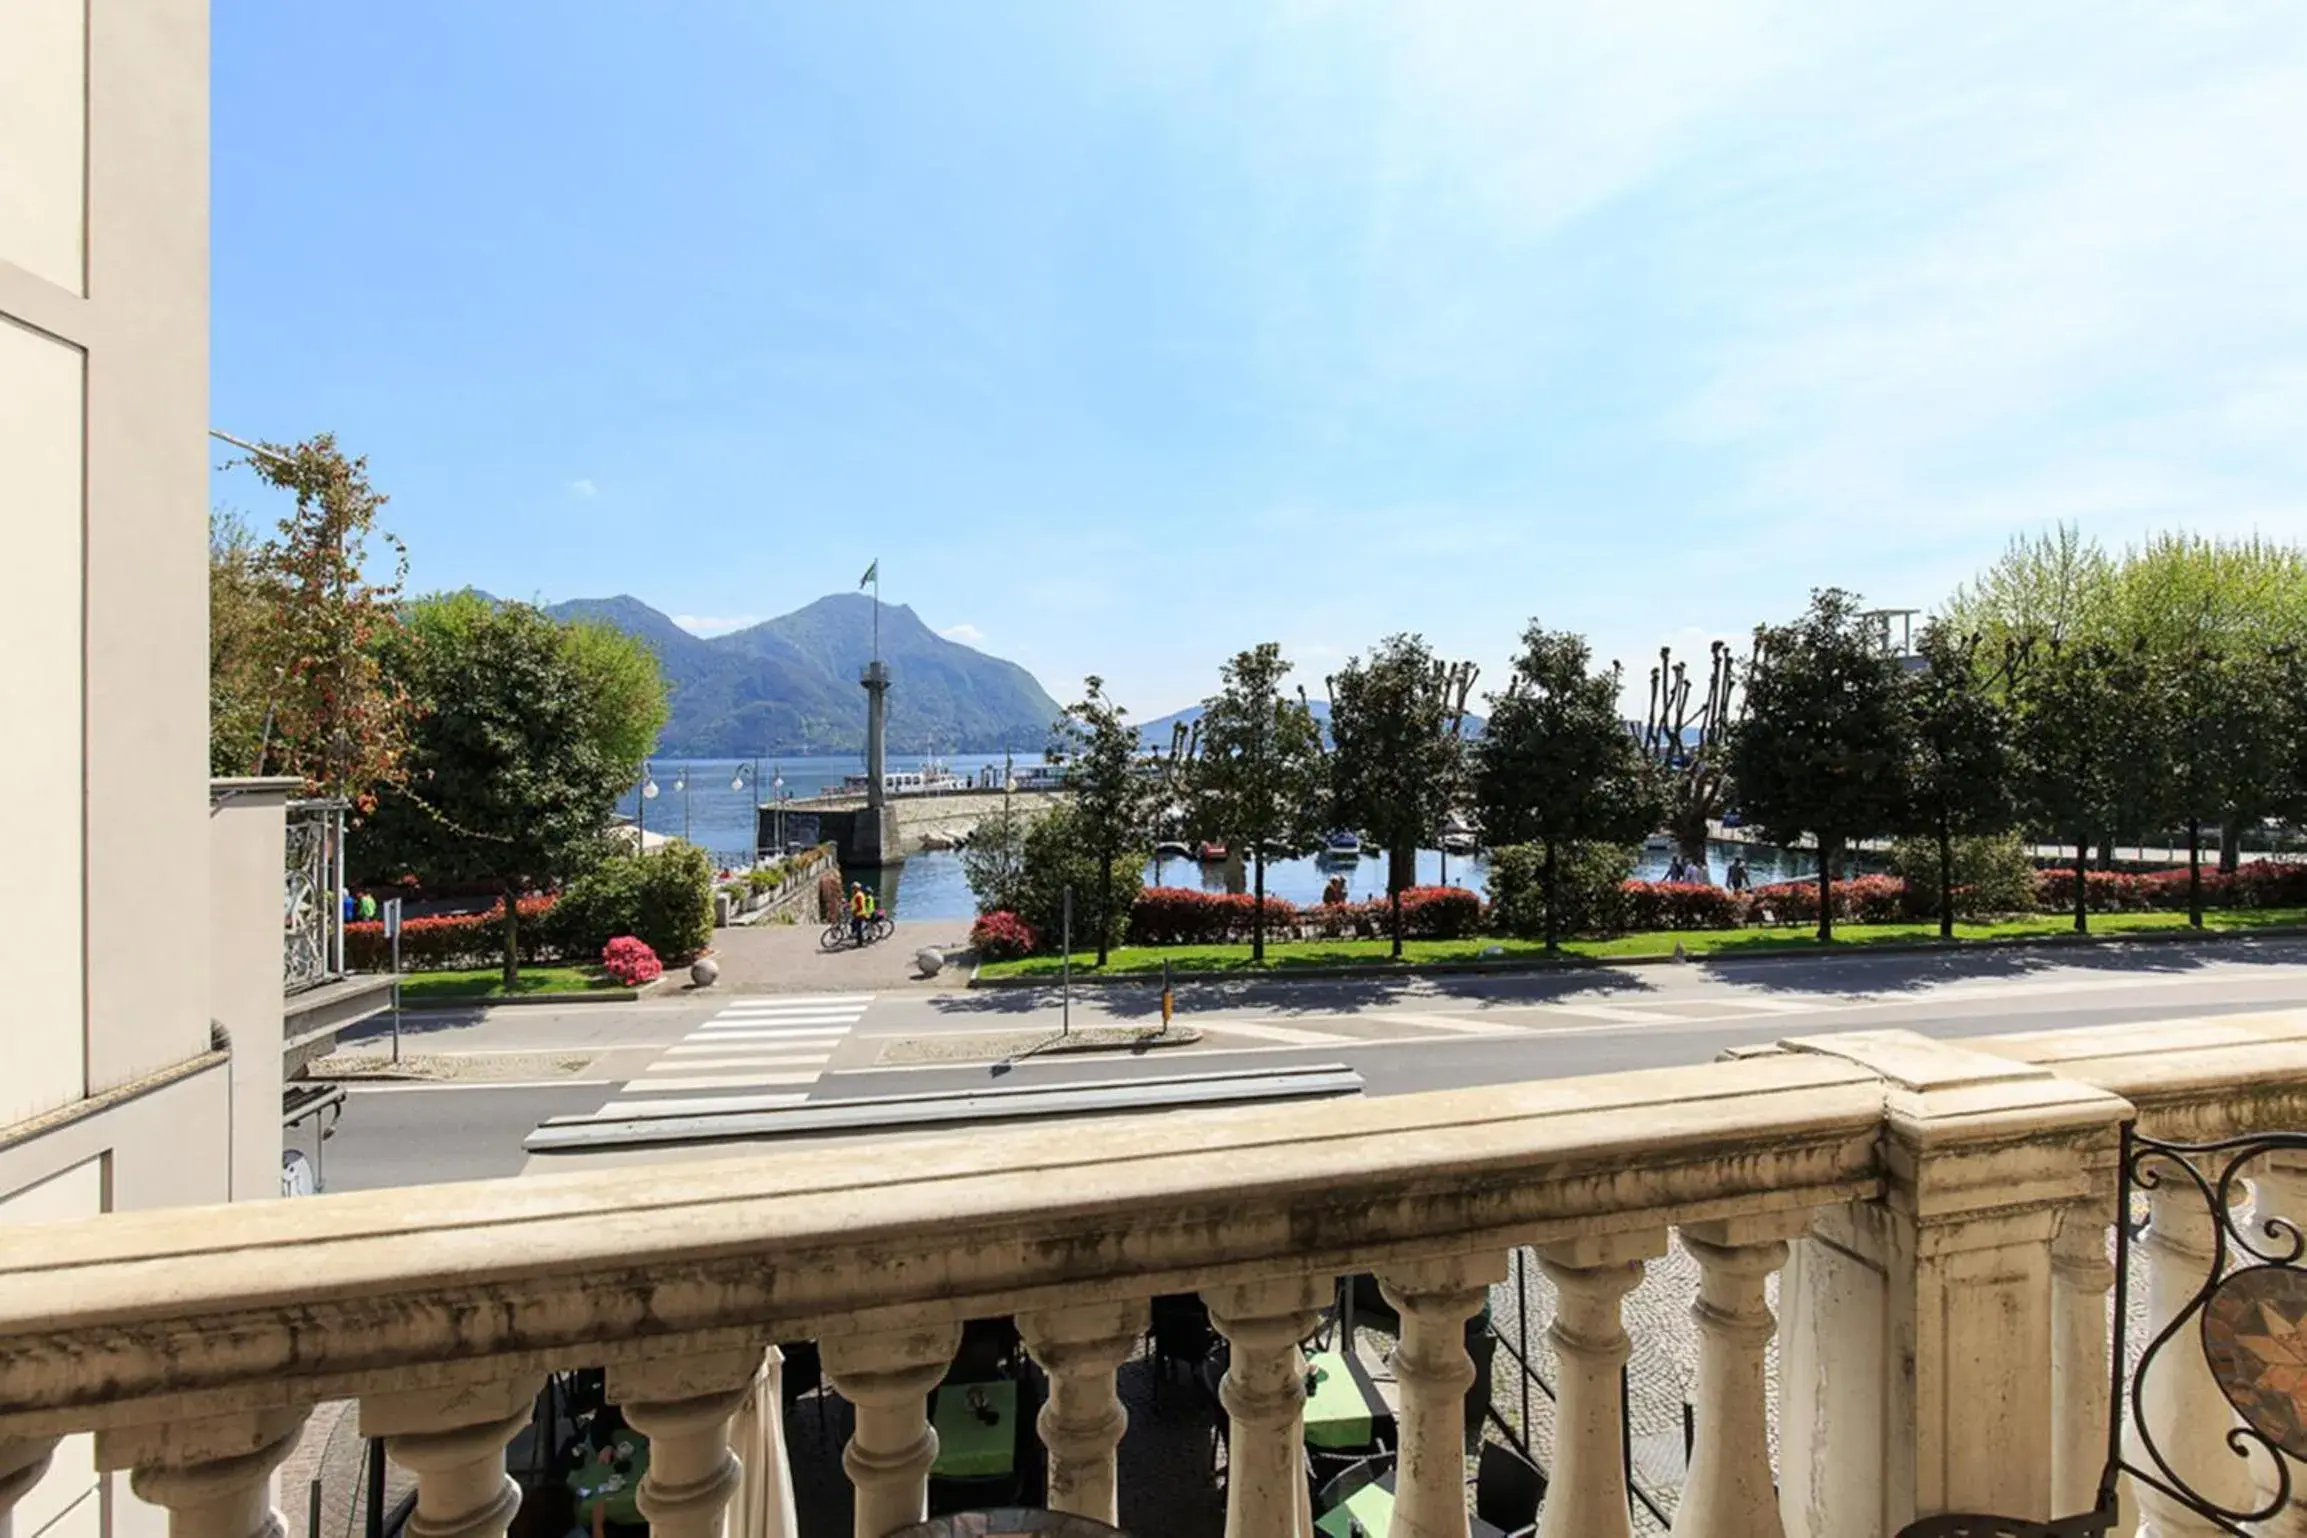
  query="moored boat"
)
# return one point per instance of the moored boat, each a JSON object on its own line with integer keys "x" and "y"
{"x": 1171, "y": 849}
{"x": 1209, "y": 851}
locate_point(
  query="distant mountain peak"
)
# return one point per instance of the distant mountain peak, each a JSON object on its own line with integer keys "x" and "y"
{"x": 790, "y": 683}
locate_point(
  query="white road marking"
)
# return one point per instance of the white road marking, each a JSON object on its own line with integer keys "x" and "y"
{"x": 727, "y": 1080}
{"x": 767, "y": 1031}
{"x": 725, "y": 1047}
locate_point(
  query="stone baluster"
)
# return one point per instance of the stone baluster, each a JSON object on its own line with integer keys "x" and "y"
{"x": 453, "y": 1439}
{"x": 2279, "y": 1192}
{"x": 213, "y": 1475}
{"x": 1915, "y": 1324}
{"x": 1730, "y": 1491}
{"x": 887, "y": 1377}
{"x": 2185, "y": 1413}
{"x": 21, "y": 1465}
{"x": 2082, "y": 1274}
{"x": 1264, "y": 1394}
{"x": 1588, "y": 1496}
{"x": 684, "y": 1406}
{"x": 1435, "y": 1299}
{"x": 1082, "y": 1425}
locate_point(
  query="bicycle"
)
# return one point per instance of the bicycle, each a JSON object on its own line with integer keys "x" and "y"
{"x": 838, "y": 935}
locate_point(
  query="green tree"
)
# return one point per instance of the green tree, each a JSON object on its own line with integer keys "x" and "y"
{"x": 1556, "y": 765}
{"x": 1115, "y": 794}
{"x": 1056, "y": 856}
{"x": 1396, "y": 762}
{"x": 515, "y": 763}
{"x": 1257, "y": 776}
{"x": 993, "y": 861}
{"x": 240, "y": 678}
{"x": 1824, "y": 747}
{"x": 2062, "y": 696}
{"x": 1959, "y": 774}
{"x": 331, "y": 714}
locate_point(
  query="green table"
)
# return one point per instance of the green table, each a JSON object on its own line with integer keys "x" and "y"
{"x": 1372, "y": 1506}
{"x": 613, "y": 1492}
{"x": 1338, "y": 1411}
{"x": 967, "y": 1446}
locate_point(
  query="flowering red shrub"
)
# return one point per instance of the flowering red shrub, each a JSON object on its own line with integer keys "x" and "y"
{"x": 1870, "y": 899}
{"x": 1003, "y": 936}
{"x": 2265, "y": 884}
{"x": 631, "y": 962}
{"x": 2104, "y": 891}
{"x": 1680, "y": 905}
{"x": 1435, "y": 913}
{"x": 447, "y": 939}
{"x": 1168, "y": 915}
{"x": 1784, "y": 902}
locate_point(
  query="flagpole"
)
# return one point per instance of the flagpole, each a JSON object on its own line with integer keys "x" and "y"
{"x": 877, "y": 608}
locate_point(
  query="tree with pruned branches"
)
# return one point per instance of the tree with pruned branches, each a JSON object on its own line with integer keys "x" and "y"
{"x": 1686, "y": 735}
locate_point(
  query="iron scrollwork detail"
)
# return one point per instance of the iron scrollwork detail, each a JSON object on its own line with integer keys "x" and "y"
{"x": 2248, "y": 1315}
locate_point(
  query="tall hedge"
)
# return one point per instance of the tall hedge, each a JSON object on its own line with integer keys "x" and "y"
{"x": 664, "y": 897}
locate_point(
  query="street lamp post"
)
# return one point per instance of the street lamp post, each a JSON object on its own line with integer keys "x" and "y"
{"x": 641, "y": 809}
{"x": 681, "y": 784}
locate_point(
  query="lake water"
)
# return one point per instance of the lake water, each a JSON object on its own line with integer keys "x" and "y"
{"x": 694, "y": 800}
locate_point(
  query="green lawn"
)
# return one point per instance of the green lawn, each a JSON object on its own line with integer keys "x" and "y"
{"x": 1298, "y": 954}
{"x": 489, "y": 983}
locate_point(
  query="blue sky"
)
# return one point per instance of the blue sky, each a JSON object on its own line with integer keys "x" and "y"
{"x": 1129, "y": 335}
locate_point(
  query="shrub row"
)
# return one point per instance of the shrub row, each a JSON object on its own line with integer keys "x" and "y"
{"x": 2258, "y": 884}
{"x": 453, "y": 939}
{"x": 1170, "y": 915}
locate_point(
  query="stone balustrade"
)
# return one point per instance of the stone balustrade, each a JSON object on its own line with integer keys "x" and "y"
{"x": 1924, "y": 1200}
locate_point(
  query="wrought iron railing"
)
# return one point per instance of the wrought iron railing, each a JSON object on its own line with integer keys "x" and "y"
{"x": 312, "y": 895}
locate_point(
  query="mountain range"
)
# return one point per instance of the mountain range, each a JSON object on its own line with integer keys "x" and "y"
{"x": 790, "y": 684}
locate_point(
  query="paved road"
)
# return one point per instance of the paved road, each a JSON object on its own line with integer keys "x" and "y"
{"x": 1402, "y": 1035}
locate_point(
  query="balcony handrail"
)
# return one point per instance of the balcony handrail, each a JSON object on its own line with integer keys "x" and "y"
{"x": 122, "y": 1319}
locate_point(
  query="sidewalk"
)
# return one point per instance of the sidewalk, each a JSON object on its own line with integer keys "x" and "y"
{"x": 786, "y": 958}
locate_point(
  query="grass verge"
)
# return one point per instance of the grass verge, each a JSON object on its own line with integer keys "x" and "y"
{"x": 489, "y": 983}
{"x": 1299, "y": 955}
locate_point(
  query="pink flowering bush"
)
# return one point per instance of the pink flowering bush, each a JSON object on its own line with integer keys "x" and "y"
{"x": 631, "y": 962}
{"x": 1003, "y": 936}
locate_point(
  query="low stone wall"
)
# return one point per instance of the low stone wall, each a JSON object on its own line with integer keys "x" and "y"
{"x": 797, "y": 893}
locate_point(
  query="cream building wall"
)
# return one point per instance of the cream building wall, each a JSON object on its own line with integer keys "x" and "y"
{"x": 116, "y": 1091}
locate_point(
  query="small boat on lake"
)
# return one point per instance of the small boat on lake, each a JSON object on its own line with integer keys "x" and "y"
{"x": 1459, "y": 842}
{"x": 1340, "y": 845}
{"x": 1171, "y": 849}
{"x": 1209, "y": 851}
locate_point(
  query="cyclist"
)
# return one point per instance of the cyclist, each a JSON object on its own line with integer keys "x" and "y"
{"x": 860, "y": 910}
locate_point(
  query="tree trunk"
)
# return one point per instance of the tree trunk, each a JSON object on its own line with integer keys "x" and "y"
{"x": 1401, "y": 873}
{"x": 1946, "y": 880}
{"x": 512, "y": 938}
{"x": 2106, "y": 851}
{"x": 1689, "y": 831}
{"x": 2230, "y": 842}
{"x": 1104, "y": 907}
{"x": 1553, "y": 902}
{"x": 2195, "y": 872}
{"x": 1826, "y": 851}
{"x": 1258, "y": 903}
{"x": 2082, "y": 883}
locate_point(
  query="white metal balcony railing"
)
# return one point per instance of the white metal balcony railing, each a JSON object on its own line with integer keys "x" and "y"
{"x": 1944, "y": 1347}
{"x": 312, "y": 895}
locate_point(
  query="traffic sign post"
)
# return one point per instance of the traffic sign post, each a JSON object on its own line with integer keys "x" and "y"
{"x": 392, "y": 929}
{"x": 1065, "y": 969}
{"x": 1169, "y": 1003}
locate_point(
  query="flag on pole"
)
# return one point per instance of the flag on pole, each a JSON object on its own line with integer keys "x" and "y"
{"x": 870, "y": 573}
